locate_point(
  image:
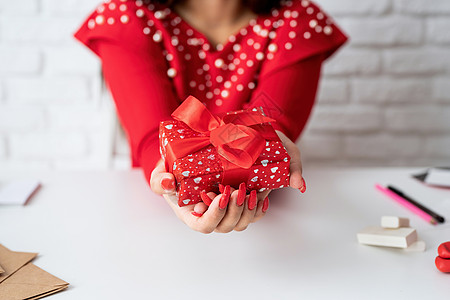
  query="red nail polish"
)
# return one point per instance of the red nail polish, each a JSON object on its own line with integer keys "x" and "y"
{"x": 225, "y": 197}
{"x": 252, "y": 200}
{"x": 205, "y": 198}
{"x": 221, "y": 188}
{"x": 265, "y": 204}
{"x": 167, "y": 184}
{"x": 241, "y": 194}
{"x": 303, "y": 188}
{"x": 194, "y": 213}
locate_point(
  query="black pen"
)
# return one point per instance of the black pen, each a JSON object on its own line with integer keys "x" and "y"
{"x": 435, "y": 216}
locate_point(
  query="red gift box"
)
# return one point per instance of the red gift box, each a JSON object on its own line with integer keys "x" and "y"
{"x": 203, "y": 150}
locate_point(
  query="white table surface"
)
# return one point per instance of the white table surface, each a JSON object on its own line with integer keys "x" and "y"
{"x": 108, "y": 236}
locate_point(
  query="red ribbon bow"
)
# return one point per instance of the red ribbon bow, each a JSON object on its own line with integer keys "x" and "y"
{"x": 239, "y": 138}
{"x": 234, "y": 140}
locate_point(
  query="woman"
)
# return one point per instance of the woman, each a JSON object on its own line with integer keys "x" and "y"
{"x": 231, "y": 54}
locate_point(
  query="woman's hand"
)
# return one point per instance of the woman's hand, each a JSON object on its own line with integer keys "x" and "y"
{"x": 230, "y": 210}
{"x": 296, "y": 178}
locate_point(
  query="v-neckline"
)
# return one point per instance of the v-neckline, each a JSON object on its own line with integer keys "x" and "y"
{"x": 213, "y": 49}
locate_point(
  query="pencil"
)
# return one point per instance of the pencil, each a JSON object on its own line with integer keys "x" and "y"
{"x": 406, "y": 204}
{"x": 435, "y": 216}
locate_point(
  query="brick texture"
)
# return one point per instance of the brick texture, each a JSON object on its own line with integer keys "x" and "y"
{"x": 437, "y": 30}
{"x": 381, "y": 90}
{"x": 352, "y": 7}
{"x": 19, "y": 60}
{"x": 384, "y": 98}
{"x": 385, "y": 31}
{"x": 47, "y": 90}
{"x": 422, "y": 8}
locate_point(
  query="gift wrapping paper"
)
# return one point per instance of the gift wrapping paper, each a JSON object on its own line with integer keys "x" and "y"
{"x": 202, "y": 150}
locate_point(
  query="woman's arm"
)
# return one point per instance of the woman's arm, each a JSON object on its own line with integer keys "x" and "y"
{"x": 143, "y": 95}
{"x": 287, "y": 94}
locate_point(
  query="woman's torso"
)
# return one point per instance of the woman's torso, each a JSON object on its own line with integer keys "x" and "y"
{"x": 222, "y": 76}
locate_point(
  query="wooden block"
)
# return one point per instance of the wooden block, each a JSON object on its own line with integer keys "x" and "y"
{"x": 394, "y": 222}
{"x": 378, "y": 236}
{"x": 418, "y": 246}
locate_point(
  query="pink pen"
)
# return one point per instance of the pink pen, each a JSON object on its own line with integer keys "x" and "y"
{"x": 406, "y": 204}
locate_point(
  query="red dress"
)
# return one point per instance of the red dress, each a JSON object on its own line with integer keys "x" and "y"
{"x": 152, "y": 60}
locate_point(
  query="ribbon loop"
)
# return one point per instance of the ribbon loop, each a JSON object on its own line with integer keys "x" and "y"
{"x": 196, "y": 115}
{"x": 234, "y": 140}
{"x": 239, "y": 144}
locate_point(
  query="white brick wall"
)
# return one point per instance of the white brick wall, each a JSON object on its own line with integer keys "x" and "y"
{"x": 53, "y": 110}
{"x": 384, "y": 98}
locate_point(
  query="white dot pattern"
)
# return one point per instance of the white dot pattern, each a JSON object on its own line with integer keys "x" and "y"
{"x": 202, "y": 170}
{"x": 218, "y": 73}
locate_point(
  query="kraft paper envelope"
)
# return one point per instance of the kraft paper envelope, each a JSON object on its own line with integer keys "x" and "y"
{"x": 30, "y": 282}
{"x": 12, "y": 261}
{"x": 23, "y": 280}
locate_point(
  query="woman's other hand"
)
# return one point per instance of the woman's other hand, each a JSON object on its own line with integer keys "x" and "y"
{"x": 296, "y": 177}
{"x": 228, "y": 211}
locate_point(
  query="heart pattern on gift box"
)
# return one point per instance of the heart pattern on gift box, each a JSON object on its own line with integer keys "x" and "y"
{"x": 203, "y": 169}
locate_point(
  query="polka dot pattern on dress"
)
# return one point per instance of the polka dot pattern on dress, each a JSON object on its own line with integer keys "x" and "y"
{"x": 222, "y": 71}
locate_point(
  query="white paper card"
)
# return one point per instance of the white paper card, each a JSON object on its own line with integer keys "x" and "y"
{"x": 18, "y": 192}
{"x": 438, "y": 176}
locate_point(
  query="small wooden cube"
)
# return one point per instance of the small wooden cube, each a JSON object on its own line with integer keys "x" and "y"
{"x": 377, "y": 236}
{"x": 394, "y": 222}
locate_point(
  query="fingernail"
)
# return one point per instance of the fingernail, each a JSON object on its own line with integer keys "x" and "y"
{"x": 252, "y": 200}
{"x": 205, "y": 198}
{"x": 265, "y": 204}
{"x": 221, "y": 188}
{"x": 225, "y": 197}
{"x": 196, "y": 214}
{"x": 303, "y": 188}
{"x": 167, "y": 184}
{"x": 241, "y": 194}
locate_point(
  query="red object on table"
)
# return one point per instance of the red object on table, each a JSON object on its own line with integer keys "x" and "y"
{"x": 152, "y": 59}
{"x": 442, "y": 261}
{"x": 203, "y": 150}
{"x": 444, "y": 250}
